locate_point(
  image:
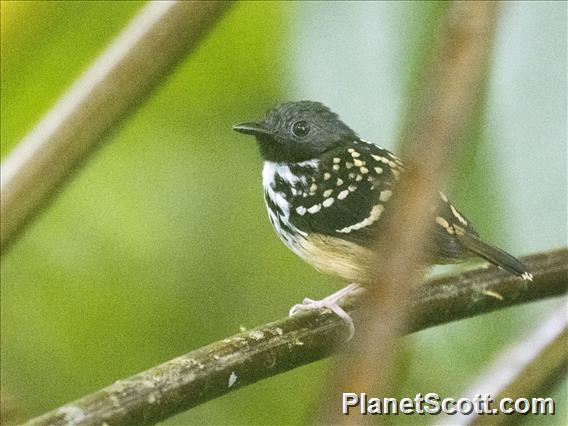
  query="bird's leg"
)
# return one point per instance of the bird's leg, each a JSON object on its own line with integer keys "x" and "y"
{"x": 330, "y": 302}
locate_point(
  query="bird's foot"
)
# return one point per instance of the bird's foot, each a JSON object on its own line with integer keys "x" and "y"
{"x": 330, "y": 302}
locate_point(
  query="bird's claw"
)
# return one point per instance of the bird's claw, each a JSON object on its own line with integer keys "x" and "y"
{"x": 330, "y": 302}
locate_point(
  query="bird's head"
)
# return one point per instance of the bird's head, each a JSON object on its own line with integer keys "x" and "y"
{"x": 297, "y": 131}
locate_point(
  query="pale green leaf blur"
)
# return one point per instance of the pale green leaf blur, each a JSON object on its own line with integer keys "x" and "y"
{"x": 161, "y": 243}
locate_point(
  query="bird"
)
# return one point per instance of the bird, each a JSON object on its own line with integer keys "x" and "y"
{"x": 325, "y": 190}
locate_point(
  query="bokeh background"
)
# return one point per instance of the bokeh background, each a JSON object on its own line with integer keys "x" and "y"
{"x": 161, "y": 243}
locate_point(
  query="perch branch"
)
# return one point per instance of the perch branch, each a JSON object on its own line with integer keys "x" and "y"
{"x": 444, "y": 109}
{"x": 124, "y": 76}
{"x": 290, "y": 342}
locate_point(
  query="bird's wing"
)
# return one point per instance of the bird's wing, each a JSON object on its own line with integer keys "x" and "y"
{"x": 456, "y": 238}
{"x": 449, "y": 221}
{"x": 349, "y": 194}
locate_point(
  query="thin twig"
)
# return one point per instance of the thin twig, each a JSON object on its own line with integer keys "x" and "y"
{"x": 529, "y": 369}
{"x": 290, "y": 342}
{"x": 548, "y": 367}
{"x": 445, "y": 108}
{"x": 143, "y": 55}
{"x": 542, "y": 375}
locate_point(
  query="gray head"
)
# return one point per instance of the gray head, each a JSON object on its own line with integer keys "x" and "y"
{"x": 297, "y": 131}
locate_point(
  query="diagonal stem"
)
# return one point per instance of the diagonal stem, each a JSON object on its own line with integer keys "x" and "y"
{"x": 118, "y": 82}
{"x": 443, "y": 111}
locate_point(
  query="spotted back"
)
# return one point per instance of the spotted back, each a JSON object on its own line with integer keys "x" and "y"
{"x": 348, "y": 192}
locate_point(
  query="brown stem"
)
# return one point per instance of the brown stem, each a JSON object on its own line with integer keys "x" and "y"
{"x": 142, "y": 56}
{"x": 446, "y": 106}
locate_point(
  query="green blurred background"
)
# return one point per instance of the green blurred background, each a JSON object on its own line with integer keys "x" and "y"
{"x": 161, "y": 244}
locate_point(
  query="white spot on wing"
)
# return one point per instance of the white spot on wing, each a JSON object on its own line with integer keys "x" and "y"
{"x": 444, "y": 223}
{"x": 385, "y": 195}
{"x": 458, "y": 215}
{"x": 375, "y": 214}
{"x": 327, "y": 202}
{"x": 458, "y": 229}
{"x": 315, "y": 208}
{"x": 376, "y": 211}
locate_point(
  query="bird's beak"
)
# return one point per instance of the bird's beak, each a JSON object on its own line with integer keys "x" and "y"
{"x": 255, "y": 129}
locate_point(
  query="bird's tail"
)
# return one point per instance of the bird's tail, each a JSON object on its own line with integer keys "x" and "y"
{"x": 495, "y": 255}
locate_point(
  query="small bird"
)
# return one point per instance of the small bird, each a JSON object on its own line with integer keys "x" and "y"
{"x": 325, "y": 190}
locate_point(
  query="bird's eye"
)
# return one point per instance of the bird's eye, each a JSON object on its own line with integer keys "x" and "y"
{"x": 300, "y": 128}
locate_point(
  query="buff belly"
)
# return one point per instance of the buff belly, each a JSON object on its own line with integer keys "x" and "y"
{"x": 337, "y": 257}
